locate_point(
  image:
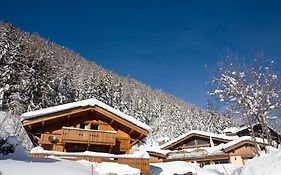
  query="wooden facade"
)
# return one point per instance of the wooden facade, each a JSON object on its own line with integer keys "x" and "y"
{"x": 244, "y": 131}
{"x": 83, "y": 128}
{"x": 139, "y": 163}
{"x": 195, "y": 140}
{"x": 195, "y": 148}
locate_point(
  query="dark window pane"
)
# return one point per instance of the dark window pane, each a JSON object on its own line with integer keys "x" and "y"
{"x": 94, "y": 127}
{"x": 221, "y": 161}
{"x": 201, "y": 142}
{"x": 82, "y": 125}
{"x": 190, "y": 143}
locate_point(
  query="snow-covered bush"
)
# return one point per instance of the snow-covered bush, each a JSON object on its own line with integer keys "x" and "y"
{"x": 6, "y": 147}
{"x": 10, "y": 147}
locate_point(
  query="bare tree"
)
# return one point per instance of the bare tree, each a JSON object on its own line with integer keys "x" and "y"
{"x": 253, "y": 89}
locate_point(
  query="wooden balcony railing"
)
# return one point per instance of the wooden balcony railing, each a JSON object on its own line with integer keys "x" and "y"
{"x": 140, "y": 163}
{"x": 88, "y": 136}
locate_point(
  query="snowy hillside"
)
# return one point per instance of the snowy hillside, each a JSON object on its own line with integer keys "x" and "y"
{"x": 35, "y": 73}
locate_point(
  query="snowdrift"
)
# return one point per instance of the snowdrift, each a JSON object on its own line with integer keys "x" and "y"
{"x": 267, "y": 163}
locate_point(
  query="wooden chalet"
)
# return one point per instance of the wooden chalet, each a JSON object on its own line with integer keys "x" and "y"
{"x": 196, "y": 139}
{"x": 242, "y": 149}
{"x": 87, "y": 125}
{"x": 205, "y": 148}
{"x": 244, "y": 131}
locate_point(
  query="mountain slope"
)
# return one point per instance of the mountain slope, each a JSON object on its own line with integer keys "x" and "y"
{"x": 36, "y": 73}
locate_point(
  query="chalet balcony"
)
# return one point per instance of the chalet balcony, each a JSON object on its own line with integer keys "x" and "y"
{"x": 84, "y": 136}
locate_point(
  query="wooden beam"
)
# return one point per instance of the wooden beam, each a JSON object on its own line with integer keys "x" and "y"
{"x": 120, "y": 120}
{"x": 29, "y": 127}
{"x": 111, "y": 122}
{"x": 196, "y": 136}
{"x": 131, "y": 131}
{"x": 110, "y": 148}
{"x": 137, "y": 140}
{"x": 55, "y": 115}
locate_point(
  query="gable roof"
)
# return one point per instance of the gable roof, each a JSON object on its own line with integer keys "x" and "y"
{"x": 243, "y": 130}
{"x": 84, "y": 103}
{"x": 220, "y": 149}
{"x": 197, "y": 133}
{"x": 241, "y": 141}
{"x": 255, "y": 126}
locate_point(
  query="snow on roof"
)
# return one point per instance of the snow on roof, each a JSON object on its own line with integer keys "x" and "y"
{"x": 231, "y": 130}
{"x": 247, "y": 127}
{"x": 195, "y": 153}
{"x": 201, "y": 151}
{"x": 163, "y": 139}
{"x": 242, "y": 128}
{"x": 208, "y": 134}
{"x": 189, "y": 152}
{"x": 138, "y": 154}
{"x": 89, "y": 102}
{"x": 241, "y": 139}
{"x": 157, "y": 149}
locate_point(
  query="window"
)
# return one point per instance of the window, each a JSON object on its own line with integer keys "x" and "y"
{"x": 221, "y": 161}
{"x": 94, "y": 126}
{"x": 204, "y": 163}
{"x": 202, "y": 142}
{"x": 190, "y": 143}
{"x": 82, "y": 125}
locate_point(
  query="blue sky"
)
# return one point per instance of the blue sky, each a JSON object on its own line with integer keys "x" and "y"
{"x": 164, "y": 44}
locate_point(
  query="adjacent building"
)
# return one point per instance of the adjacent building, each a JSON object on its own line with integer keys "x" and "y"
{"x": 205, "y": 148}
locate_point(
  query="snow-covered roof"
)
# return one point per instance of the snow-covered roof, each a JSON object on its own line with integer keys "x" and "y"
{"x": 89, "y": 102}
{"x": 231, "y": 130}
{"x": 189, "y": 152}
{"x": 202, "y": 151}
{"x": 242, "y": 128}
{"x": 246, "y": 127}
{"x": 241, "y": 139}
{"x": 163, "y": 139}
{"x": 208, "y": 134}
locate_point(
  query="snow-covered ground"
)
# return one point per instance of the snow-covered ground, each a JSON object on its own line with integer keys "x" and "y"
{"x": 18, "y": 163}
{"x": 179, "y": 167}
{"x": 223, "y": 169}
{"x": 44, "y": 166}
{"x": 56, "y": 166}
{"x": 266, "y": 164}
